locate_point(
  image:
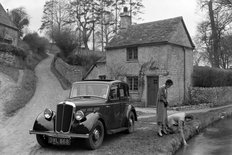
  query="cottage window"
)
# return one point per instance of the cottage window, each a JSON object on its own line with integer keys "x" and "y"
{"x": 132, "y": 53}
{"x": 133, "y": 83}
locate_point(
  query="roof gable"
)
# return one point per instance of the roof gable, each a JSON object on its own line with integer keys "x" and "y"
{"x": 5, "y": 20}
{"x": 148, "y": 33}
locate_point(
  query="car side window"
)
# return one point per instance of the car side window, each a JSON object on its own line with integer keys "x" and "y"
{"x": 114, "y": 93}
{"x": 123, "y": 90}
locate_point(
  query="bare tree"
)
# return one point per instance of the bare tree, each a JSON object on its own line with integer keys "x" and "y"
{"x": 214, "y": 28}
{"x": 55, "y": 15}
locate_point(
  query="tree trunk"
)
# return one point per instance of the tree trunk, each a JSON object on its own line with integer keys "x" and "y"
{"x": 215, "y": 47}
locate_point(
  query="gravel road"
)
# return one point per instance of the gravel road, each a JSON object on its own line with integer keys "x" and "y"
{"x": 14, "y": 132}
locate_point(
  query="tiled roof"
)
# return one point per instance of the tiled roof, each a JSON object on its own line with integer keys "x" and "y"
{"x": 147, "y": 33}
{"x": 5, "y": 19}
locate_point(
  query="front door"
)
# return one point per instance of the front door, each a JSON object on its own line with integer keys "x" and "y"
{"x": 152, "y": 90}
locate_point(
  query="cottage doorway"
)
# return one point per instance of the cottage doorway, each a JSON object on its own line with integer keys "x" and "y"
{"x": 152, "y": 90}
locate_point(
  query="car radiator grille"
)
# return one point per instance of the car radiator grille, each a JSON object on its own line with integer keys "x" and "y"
{"x": 64, "y": 116}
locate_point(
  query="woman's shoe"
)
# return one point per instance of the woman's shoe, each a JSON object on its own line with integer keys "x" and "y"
{"x": 159, "y": 134}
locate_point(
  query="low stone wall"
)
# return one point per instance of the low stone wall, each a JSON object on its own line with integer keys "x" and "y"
{"x": 11, "y": 60}
{"x": 215, "y": 96}
{"x": 201, "y": 121}
{"x": 71, "y": 73}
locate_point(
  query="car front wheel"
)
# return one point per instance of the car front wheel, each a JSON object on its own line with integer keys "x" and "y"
{"x": 96, "y": 136}
{"x": 42, "y": 140}
{"x": 131, "y": 123}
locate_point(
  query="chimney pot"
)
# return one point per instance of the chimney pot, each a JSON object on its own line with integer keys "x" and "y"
{"x": 125, "y": 19}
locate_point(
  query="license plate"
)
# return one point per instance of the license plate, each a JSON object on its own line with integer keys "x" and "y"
{"x": 59, "y": 141}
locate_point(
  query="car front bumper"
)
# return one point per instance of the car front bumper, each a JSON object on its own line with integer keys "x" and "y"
{"x": 60, "y": 134}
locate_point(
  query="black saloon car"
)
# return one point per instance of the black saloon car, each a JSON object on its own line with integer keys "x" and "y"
{"x": 94, "y": 108}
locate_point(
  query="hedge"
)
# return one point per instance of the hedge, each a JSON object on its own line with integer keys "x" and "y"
{"x": 211, "y": 77}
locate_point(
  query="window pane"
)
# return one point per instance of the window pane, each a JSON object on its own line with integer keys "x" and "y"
{"x": 129, "y": 80}
{"x": 135, "y": 54}
{"x": 133, "y": 83}
{"x": 130, "y": 55}
{"x": 136, "y": 83}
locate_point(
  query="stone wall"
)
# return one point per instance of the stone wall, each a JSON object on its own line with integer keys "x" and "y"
{"x": 98, "y": 70}
{"x": 11, "y": 60}
{"x": 215, "y": 95}
{"x": 9, "y": 34}
{"x": 71, "y": 73}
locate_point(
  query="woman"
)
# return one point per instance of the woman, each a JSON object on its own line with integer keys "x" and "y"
{"x": 176, "y": 123}
{"x": 161, "y": 109}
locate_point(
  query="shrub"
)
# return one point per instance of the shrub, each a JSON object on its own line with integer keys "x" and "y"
{"x": 23, "y": 93}
{"x": 66, "y": 40}
{"x": 13, "y": 50}
{"x": 37, "y": 44}
{"x": 211, "y": 77}
{"x": 85, "y": 61}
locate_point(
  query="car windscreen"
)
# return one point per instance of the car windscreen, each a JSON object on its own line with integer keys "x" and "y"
{"x": 89, "y": 89}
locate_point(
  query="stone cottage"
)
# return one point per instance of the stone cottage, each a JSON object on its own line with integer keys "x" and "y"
{"x": 8, "y": 31}
{"x": 146, "y": 55}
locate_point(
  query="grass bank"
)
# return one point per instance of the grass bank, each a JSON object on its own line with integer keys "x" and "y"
{"x": 21, "y": 93}
{"x": 10, "y": 71}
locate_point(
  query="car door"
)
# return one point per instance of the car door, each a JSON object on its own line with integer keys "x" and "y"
{"x": 124, "y": 102}
{"x": 114, "y": 107}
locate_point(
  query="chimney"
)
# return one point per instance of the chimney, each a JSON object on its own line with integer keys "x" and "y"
{"x": 125, "y": 19}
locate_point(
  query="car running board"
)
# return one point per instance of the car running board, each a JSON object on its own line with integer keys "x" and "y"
{"x": 116, "y": 130}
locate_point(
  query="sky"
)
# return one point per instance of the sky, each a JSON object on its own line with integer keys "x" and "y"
{"x": 154, "y": 10}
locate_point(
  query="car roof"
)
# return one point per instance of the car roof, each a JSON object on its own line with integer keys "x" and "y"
{"x": 100, "y": 81}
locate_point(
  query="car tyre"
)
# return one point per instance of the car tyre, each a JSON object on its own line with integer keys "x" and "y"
{"x": 96, "y": 136}
{"x": 131, "y": 123}
{"x": 42, "y": 140}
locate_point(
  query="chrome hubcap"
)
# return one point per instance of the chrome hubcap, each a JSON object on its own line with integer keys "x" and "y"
{"x": 96, "y": 134}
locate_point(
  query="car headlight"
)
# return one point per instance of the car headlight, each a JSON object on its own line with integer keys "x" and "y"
{"x": 48, "y": 113}
{"x": 79, "y": 115}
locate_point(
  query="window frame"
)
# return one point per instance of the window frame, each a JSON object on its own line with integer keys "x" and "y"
{"x": 133, "y": 84}
{"x": 133, "y": 51}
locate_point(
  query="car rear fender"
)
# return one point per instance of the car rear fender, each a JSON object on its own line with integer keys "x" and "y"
{"x": 131, "y": 108}
{"x": 42, "y": 124}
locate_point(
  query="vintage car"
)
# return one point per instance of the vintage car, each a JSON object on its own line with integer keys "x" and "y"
{"x": 94, "y": 108}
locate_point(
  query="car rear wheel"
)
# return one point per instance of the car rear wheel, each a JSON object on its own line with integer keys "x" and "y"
{"x": 96, "y": 136}
{"x": 131, "y": 123}
{"x": 42, "y": 140}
